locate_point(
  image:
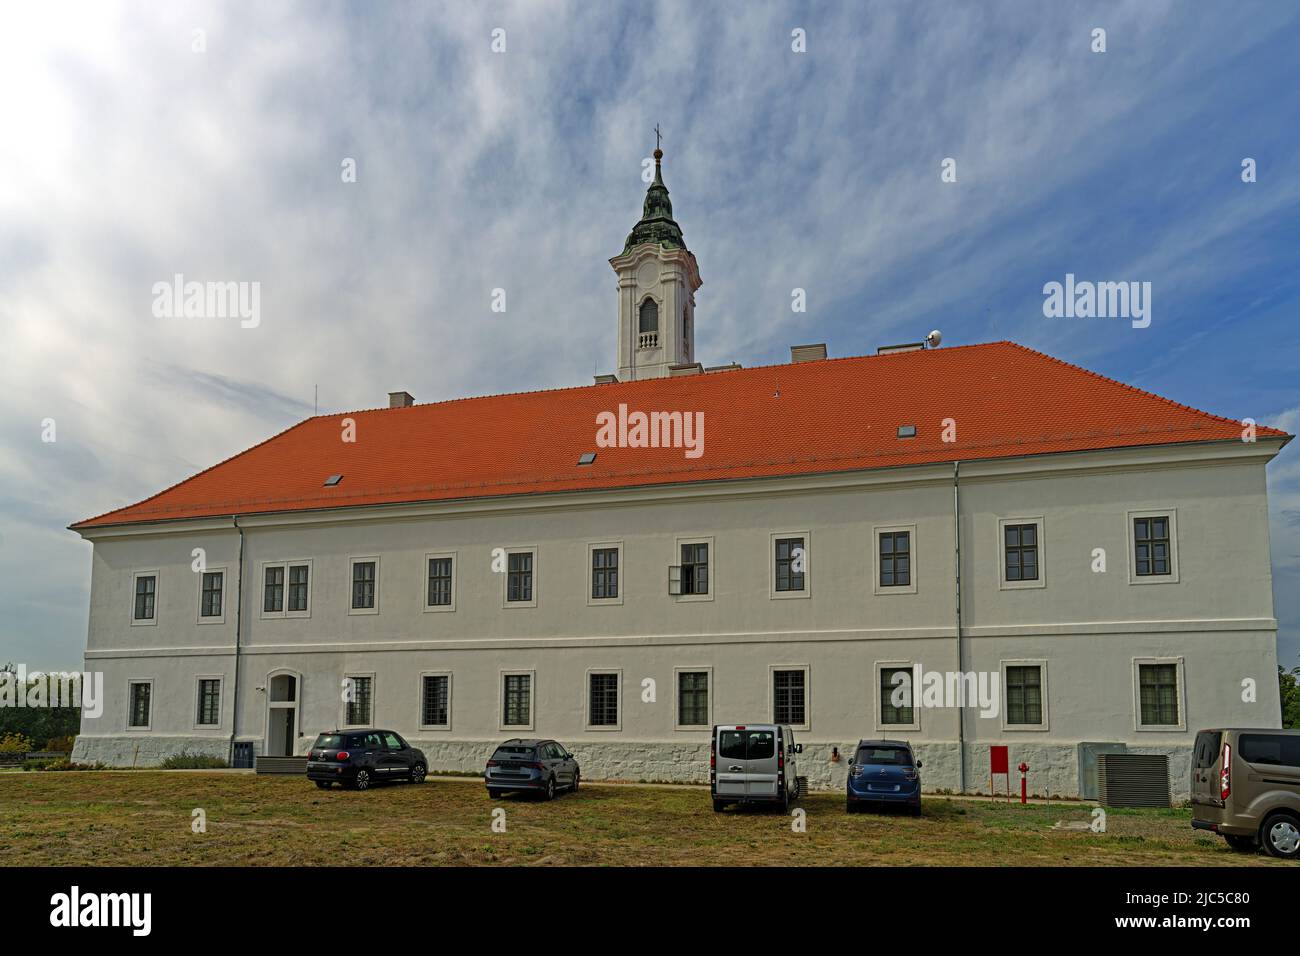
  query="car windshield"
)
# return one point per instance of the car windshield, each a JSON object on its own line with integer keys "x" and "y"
{"x": 328, "y": 742}
{"x": 513, "y": 752}
{"x": 893, "y": 756}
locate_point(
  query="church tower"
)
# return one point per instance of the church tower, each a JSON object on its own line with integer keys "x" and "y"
{"x": 657, "y": 279}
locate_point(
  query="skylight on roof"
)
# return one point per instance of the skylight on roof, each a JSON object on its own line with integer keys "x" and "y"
{"x": 587, "y": 458}
{"x": 906, "y": 431}
{"x": 333, "y": 480}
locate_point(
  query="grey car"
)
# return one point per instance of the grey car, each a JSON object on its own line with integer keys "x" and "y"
{"x": 531, "y": 765}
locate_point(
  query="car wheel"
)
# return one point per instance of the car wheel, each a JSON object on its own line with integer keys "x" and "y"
{"x": 323, "y": 784}
{"x": 362, "y": 780}
{"x": 417, "y": 773}
{"x": 1281, "y": 836}
{"x": 850, "y": 807}
{"x": 1242, "y": 844}
{"x": 916, "y": 811}
{"x": 494, "y": 794}
{"x": 550, "y": 789}
{"x": 574, "y": 788}
{"x": 718, "y": 806}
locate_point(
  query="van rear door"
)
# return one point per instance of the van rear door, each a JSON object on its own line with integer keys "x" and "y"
{"x": 1205, "y": 768}
{"x": 730, "y": 772}
{"x": 760, "y": 755}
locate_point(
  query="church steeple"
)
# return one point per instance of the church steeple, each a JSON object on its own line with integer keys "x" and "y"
{"x": 657, "y": 223}
{"x": 657, "y": 279}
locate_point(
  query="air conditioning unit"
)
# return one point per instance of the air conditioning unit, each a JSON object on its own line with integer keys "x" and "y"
{"x": 1133, "y": 780}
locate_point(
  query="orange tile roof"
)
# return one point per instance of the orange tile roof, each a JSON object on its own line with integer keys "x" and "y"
{"x": 779, "y": 420}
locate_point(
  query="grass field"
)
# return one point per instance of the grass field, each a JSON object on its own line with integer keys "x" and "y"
{"x": 144, "y": 818}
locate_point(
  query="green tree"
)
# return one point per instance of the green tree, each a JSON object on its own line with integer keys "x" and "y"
{"x": 1289, "y": 684}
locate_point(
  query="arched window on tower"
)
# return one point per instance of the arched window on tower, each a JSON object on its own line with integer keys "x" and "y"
{"x": 648, "y": 324}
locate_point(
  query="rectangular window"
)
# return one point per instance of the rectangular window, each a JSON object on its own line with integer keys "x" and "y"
{"x": 1158, "y": 694}
{"x": 297, "y": 587}
{"x": 435, "y": 701}
{"x": 602, "y": 700}
{"x": 439, "y": 582}
{"x": 788, "y": 695}
{"x": 519, "y": 576}
{"x": 363, "y": 585}
{"x": 1151, "y": 545}
{"x": 273, "y": 591}
{"x": 693, "y": 698}
{"x": 896, "y": 560}
{"x": 210, "y": 604}
{"x": 146, "y": 586}
{"x": 604, "y": 573}
{"x": 140, "y": 694}
{"x": 1021, "y": 552}
{"x": 516, "y": 700}
{"x": 695, "y": 569}
{"x": 897, "y": 701}
{"x": 790, "y": 564}
{"x": 209, "y": 702}
{"x": 361, "y": 700}
{"x": 1024, "y": 694}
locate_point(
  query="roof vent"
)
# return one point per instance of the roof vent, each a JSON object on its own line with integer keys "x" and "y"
{"x": 808, "y": 353}
{"x": 733, "y": 367}
{"x": 906, "y": 431}
{"x": 587, "y": 458}
{"x": 333, "y": 480}
{"x": 687, "y": 368}
{"x": 606, "y": 379}
{"x": 400, "y": 400}
{"x": 905, "y": 347}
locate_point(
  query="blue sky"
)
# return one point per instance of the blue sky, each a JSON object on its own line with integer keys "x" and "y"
{"x": 128, "y": 157}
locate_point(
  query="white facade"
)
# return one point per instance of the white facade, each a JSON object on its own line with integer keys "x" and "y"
{"x": 1089, "y": 632}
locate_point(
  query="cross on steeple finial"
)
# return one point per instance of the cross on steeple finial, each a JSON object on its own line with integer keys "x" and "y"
{"x": 657, "y": 136}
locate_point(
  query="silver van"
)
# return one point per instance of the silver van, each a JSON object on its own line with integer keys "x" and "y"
{"x": 753, "y": 763}
{"x": 1246, "y": 788}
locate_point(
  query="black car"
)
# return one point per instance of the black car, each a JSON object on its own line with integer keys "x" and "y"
{"x": 538, "y": 766}
{"x": 357, "y": 758}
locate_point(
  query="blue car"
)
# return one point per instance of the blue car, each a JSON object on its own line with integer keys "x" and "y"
{"x": 884, "y": 773}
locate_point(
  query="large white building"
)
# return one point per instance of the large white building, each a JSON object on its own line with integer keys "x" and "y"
{"x": 542, "y": 564}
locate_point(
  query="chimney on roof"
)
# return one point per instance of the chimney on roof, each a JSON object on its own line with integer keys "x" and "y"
{"x": 808, "y": 353}
{"x": 400, "y": 400}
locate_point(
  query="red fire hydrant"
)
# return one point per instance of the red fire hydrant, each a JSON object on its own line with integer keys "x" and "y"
{"x": 1024, "y": 768}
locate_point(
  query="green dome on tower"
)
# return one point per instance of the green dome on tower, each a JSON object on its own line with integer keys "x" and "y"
{"x": 657, "y": 224}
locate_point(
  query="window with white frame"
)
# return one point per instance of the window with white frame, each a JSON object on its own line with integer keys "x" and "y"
{"x": 144, "y": 606}
{"x": 365, "y": 585}
{"x": 1153, "y": 548}
{"x": 516, "y": 700}
{"x": 519, "y": 577}
{"x": 790, "y": 564}
{"x": 1159, "y": 694}
{"x": 897, "y": 695}
{"x": 139, "y": 704}
{"x": 360, "y": 699}
{"x": 789, "y": 696}
{"x": 435, "y": 700}
{"x": 1024, "y": 694}
{"x": 1022, "y": 555}
{"x": 693, "y": 698}
{"x": 602, "y": 699}
{"x": 209, "y": 702}
{"x": 440, "y": 590}
{"x": 211, "y": 594}
{"x": 286, "y": 589}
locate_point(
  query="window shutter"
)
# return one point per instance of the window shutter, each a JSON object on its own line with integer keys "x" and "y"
{"x": 675, "y": 579}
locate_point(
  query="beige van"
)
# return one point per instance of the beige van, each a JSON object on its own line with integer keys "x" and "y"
{"x": 1246, "y": 788}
